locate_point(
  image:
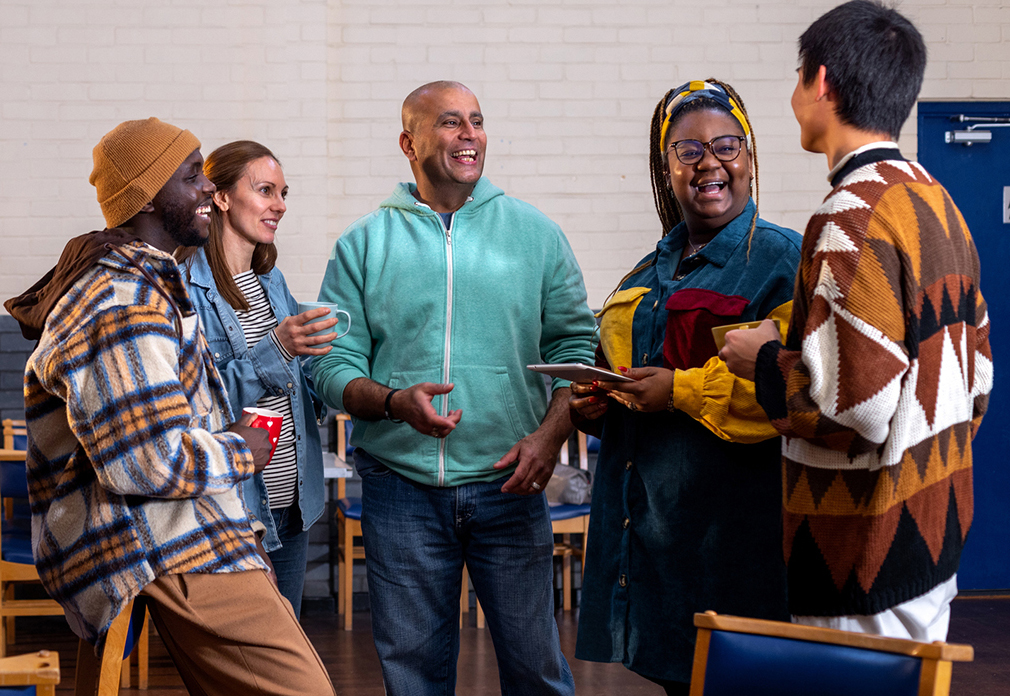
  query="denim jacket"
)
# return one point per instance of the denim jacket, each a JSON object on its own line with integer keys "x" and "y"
{"x": 250, "y": 374}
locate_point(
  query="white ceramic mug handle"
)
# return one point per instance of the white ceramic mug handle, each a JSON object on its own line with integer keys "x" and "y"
{"x": 340, "y": 311}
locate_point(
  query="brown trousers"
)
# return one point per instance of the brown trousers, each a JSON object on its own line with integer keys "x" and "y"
{"x": 233, "y": 633}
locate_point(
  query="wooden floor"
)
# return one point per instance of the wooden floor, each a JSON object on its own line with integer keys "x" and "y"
{"x": 354, "y": 667}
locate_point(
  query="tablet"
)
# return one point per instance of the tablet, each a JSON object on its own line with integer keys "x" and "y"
{"x": 578, "y": 372}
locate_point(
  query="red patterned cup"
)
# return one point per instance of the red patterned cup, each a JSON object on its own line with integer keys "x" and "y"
{"x": 269, "y": 421}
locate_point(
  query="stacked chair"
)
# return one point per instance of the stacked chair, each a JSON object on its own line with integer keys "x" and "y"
{"x": 17, "y": 565}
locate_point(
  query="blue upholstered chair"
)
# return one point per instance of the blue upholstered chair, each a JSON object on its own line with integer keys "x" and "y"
{"x": 736, "y": 656}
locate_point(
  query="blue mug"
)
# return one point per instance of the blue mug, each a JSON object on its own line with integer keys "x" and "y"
{"x": 306, "y": 306}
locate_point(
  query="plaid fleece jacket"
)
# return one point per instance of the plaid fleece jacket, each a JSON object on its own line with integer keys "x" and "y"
{"x": 879, "y": 392}
{"x": 130, "y": 474}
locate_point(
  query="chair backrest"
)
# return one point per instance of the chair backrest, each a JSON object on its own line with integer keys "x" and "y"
{"x": 15, "y": 434}
{"x": 761, "y": 658}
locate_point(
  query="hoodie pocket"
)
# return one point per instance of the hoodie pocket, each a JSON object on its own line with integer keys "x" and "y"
{"x": 493, "y": 418}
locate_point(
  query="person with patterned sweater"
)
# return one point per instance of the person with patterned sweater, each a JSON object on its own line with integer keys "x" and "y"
{"x": 885, "y": 375}
{"x": 132, "y": 464}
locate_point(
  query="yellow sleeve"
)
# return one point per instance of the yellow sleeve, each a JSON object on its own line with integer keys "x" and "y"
{"x": 723, "y": 402}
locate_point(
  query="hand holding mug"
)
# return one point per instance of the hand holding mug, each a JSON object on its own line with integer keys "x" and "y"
{"x": 308, "y": 333}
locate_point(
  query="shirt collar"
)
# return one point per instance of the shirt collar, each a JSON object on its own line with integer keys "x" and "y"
{"x": 722, "y": 245}
{"x": 878, "y": 145}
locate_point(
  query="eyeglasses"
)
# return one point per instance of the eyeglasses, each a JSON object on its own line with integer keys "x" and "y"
{"x": 725, "y": 148}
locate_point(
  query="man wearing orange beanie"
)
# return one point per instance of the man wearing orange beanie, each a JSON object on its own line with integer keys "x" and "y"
{"x": 132, "y": 463}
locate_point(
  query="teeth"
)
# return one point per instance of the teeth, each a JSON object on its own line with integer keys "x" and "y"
{"x": 272, "y": 224}
{"x": 203, "y": 210}
{"x": 465, "y": 153}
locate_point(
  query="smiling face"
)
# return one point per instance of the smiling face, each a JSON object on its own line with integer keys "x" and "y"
{"x": 254, "y": 206}
{"x": 445, "y": 142}
{"x": 183, "y": 206}
{"x": 711, "y": 193}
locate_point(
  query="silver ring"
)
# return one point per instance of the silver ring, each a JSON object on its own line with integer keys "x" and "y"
{"x": 536, "y": 486}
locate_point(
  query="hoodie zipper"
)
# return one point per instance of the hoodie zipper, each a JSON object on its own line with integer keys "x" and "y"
{"x": 447, "y": 352}
{"x": 448, "y": 342}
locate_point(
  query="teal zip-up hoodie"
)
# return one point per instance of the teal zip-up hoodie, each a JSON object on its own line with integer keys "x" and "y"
{"x": 472, "y": 305}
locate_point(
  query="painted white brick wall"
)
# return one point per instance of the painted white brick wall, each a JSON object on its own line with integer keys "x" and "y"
{"x": 567, "y": 88}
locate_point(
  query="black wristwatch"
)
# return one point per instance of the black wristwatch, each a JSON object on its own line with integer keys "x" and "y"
{"x": 386, "y": 412}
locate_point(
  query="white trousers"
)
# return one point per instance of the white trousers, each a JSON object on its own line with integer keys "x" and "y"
{"x": 925, "y": 618}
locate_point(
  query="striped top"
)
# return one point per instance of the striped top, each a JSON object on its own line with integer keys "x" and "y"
{"x": 281, "y": 476}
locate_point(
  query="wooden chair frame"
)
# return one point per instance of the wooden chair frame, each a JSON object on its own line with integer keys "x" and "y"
{"x": 934, "y": 679}
{"x": 102, "y": 677}
{"x": 40, "y": 669}
{"x": 575, "y": 525}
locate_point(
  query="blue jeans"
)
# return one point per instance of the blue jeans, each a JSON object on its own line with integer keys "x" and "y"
{"x": 417, "y": 539}
{"x": 290, "y": 559}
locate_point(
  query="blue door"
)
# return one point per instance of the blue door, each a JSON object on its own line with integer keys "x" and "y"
{"x": 976, "y": 176}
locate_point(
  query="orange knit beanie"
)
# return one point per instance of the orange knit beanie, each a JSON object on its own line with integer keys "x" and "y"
{"x": 133, "y": 161}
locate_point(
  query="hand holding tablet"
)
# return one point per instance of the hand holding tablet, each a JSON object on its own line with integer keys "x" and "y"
{"x": 579, "y": 372}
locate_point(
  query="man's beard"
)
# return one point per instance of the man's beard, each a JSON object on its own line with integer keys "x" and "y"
{"x": 180, "y": 224}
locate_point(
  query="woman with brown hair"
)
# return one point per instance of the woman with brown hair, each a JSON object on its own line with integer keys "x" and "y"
{"x": 259, "y": 342}
{"x": 686, "y": 504}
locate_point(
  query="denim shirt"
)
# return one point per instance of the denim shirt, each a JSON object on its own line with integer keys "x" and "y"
{"x": 249, "y": 374}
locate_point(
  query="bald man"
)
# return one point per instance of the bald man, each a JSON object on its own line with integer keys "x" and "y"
{"x": 454, "y": 288}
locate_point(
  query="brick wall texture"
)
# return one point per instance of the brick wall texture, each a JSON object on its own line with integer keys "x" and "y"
{"x": 567, "y": 88}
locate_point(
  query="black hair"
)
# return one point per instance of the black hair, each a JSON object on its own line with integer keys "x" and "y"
{"x": 875, "y": 60}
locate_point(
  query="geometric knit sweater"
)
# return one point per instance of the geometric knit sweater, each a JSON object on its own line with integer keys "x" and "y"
{"x": 879, "y": 391}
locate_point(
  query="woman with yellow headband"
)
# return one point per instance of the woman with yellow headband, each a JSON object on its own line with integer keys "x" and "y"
{"x": 686, "y": 506}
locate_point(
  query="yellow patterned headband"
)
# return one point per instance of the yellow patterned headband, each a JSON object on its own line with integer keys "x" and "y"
{"x": 697, "y": 89}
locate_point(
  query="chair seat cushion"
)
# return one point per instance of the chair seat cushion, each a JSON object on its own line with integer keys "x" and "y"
{"x": 350, "y": 507}
{"x": 17, "y": 547}
{"x": 567, "y": 512}
{"x": 18, "y": 690}
{"x": 13, "y": 480}
{"x": 756, "y": 665}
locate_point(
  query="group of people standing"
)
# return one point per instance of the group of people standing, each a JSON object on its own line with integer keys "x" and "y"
{"x": 872, "y": 361}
